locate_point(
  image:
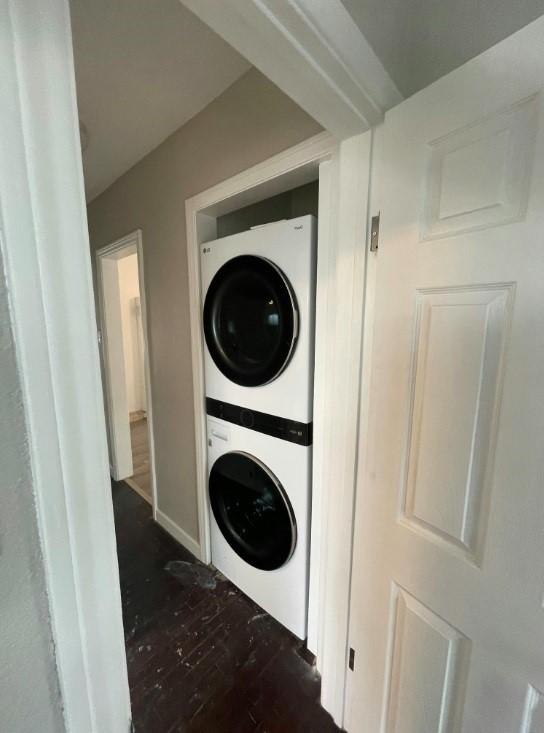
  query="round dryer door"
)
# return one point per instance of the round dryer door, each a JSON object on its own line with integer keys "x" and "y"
{"x": 252, "y": 510}
{"x": 250, "y": 320}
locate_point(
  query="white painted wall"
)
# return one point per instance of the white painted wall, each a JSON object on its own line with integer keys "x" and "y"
{"x": 29, "y": 687}
{"x": 133, "y": 349}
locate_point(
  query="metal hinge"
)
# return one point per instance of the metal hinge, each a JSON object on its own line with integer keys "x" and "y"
{"x": 351, "y": 662}
{"x": 374, "y": 232}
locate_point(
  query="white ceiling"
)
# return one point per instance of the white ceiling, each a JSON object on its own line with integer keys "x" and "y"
{"x": 418, "y": 41}
{"x": 143, "y": 68}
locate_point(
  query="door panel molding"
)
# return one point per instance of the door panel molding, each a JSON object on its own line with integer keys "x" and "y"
{"x": 431, "y": 702}
{"x": 453, "y": 516}
{"x": 478, "y": 176}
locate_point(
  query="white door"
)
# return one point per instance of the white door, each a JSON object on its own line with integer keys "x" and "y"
{"x": 447, "y": 617}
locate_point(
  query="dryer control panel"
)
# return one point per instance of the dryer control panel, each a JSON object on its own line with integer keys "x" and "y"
{"x": 277, "y": 427}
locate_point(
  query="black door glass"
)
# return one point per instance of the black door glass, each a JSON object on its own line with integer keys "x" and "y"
{"x": 252, "y": 511}
{"x": 250, "y": 320}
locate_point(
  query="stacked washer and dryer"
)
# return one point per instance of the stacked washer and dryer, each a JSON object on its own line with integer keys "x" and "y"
{"x": 258, "y": 317}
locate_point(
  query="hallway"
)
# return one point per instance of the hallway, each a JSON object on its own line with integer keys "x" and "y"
{"x": 202, "y": 657}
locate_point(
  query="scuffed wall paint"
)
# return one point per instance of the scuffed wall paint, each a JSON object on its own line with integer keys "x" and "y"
{"x": 30, "y": 699}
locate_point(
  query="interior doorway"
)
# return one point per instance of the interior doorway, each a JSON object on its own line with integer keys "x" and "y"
{"x": 123, "y": 337}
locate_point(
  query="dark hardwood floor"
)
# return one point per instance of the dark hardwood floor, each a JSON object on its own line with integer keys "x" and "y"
{"x": 202, "y": 657}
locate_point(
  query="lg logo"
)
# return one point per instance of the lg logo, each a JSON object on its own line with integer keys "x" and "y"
{"x": 206, "y": 250}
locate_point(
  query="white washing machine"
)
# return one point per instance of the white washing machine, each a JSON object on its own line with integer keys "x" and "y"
{"x": 258, "y": 316}
{"x": 259, "y": 496}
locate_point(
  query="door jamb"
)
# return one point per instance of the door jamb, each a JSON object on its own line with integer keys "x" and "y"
{"x": 45, "y": 248}
{"x": 133, "y": 239}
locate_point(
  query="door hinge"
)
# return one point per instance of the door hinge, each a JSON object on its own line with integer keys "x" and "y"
{"x": 374, "y": 232}
{"x": 351, "y": 662}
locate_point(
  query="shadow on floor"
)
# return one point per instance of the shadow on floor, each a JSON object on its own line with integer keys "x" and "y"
{"x": 202, "y": 657}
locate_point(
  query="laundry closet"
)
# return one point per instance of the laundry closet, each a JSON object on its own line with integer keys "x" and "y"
{"x": 258, "y": 290}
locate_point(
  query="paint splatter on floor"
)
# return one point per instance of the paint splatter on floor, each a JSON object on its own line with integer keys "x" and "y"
{"x": 202, "y": 657}
{"x": 189, "y": 573}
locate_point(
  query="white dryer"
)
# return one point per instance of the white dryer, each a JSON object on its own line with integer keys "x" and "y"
{"x": 259, "y": 496}
{"x": 258, "y": 317}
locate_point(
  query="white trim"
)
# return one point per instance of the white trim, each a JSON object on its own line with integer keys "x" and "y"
{"x": 47, "y": 261}
{"x": 343, "y": 173}
{"x": 114, "y": 373}
{"x": 134, "y": 239}
{"x": 178, "y": 533}
{"x": 291, "y": 161}
{"x": 197, "y": 358}
{"x": 342, "y": 415}
{"x": 322, "y": 367}
{"x": 314, "y": 51}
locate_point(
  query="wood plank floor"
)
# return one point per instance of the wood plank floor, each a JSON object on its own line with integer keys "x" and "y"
{"x": 139, "y": 441}
{"x": 202, "y": 657}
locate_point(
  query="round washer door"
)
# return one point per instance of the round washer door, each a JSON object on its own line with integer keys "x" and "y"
{"x": 250, "y": 320}
{"x": 252, "y": 510}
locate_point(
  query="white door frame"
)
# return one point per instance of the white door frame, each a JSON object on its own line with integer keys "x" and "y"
{"x": 110, "y": 338}
{"x": 134, "y": 243}
{"x": 343, "y": 171}
{"x": 45, "y": 248}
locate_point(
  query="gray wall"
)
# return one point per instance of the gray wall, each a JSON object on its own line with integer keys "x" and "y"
{"x": 29, "y": 691}
{"x": 251, "y": 121}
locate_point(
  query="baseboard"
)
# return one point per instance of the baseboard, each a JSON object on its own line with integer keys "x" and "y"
{"x": 178, "y": 534}
{"x": 133, "y": 485}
